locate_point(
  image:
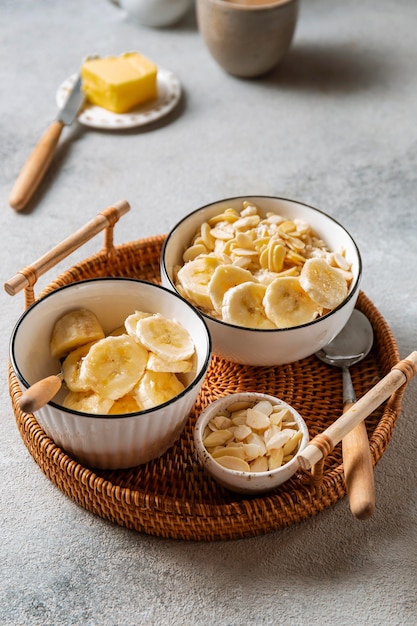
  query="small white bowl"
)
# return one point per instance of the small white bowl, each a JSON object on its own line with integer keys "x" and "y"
{"x": 246, "y": 482}
{"x": 260, "y": 347}
{"x": 108, "y": 441}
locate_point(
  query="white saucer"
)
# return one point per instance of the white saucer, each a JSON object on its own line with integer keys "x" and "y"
{"x": 169, "y": 94}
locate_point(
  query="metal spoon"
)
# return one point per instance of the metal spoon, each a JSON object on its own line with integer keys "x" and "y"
{"x": 350, "y": 346}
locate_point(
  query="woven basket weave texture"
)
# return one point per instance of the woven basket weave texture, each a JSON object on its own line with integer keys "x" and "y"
{"x": 172, "y": 496}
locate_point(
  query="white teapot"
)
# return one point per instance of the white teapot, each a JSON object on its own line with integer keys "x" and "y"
{"x": 155, "y": 13}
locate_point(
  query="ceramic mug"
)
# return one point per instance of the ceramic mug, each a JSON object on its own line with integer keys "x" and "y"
{"x": 247, "y": 38}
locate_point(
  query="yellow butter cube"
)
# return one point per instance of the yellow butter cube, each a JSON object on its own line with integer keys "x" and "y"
{"x": 118, "y": 84}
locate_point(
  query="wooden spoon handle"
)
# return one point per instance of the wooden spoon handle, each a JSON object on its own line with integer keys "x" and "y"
{"x": 358, "y": 468}
{"x": 35, "y": 167}
{"x": 40, "y": 393}
{"x": 398, "y": 376}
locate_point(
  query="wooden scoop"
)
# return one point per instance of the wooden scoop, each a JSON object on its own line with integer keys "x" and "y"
{"x": 40, "y": 393}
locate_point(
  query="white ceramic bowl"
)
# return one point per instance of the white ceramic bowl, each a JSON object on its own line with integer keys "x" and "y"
{"x": 102, "y": 441}
{"x": 246, "y": 482}
{"x": 156, "y": 13}
{"x": 252, "y": 346}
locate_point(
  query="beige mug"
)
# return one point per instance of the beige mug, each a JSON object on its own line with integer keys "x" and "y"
{"x": 247, "y": 38}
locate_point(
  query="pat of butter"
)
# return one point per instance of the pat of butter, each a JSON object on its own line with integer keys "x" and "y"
{"x": 120, "y": 83}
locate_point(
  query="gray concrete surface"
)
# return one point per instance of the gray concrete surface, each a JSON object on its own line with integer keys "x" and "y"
{"x": 335, "y": 127}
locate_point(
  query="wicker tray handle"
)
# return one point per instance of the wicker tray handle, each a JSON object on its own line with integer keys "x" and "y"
{"x": 27, "y": 277}
{"x": 319, "y": 447}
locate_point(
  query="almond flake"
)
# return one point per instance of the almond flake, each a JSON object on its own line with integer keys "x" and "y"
{"x": 279, "y": 440}
{"x": 236, "y": 451}
{"x": 241, "y": 432}
{"x": 218, "y": 233}
{"x": 233, "y": 463}
{"x": 275, "y": 459}
{"x": 292, "y": 443}
{"x": 217, "y": 438}
{"x": 259, "y": 465}
{"x": 222, "y": 422}
{"x": 252, "y": 451}
{"x": 264, "y": 406}
{"x": 257, "y": 420}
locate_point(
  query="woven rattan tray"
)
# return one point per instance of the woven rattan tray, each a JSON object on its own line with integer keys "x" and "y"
{"x": 172, "y": 496}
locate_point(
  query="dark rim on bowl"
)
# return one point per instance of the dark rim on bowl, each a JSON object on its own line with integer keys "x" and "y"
{"x": 194, "y": 382}
{"x": 265, "y": 330}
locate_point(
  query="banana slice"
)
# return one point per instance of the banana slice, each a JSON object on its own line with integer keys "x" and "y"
{"x": 113, "y": 366}
{"x": 225, "y": 277}
{"x": 125, "y": 404}
{"x": 74, "y": 329}
{"x": 242, "y": 306}
{"x": 71, "y": 368}
{"x": 87, "y": 402}
{"x": 165, "y": 337}
{"x": 158, "y": 364}
{"x": 323, "y": 283}
{"x": 194, "y": 278}
{"x": 155, "y": 388}
{"x": 132, "y": 320}
{"x": 287, "y": 304}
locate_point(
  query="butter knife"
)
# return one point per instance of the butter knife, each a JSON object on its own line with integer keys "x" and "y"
{"x": 38, "y": 162}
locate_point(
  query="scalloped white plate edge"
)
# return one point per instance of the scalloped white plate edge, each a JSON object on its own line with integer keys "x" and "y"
{"x": 169, "y": 94}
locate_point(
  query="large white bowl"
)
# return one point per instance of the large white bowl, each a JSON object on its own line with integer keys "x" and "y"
{"x": 246, "y": 482}
{"x": 277, "y": 346}
{"x": 103, "y": 441}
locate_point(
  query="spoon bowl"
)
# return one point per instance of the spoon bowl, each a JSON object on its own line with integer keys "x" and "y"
{"x": 351, "y": 345}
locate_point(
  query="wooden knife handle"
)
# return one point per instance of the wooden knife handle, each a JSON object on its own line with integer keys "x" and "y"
{"x": 40, "y": 393}
{"x": 358, "y": 468}
{"x": 35, "y": 167}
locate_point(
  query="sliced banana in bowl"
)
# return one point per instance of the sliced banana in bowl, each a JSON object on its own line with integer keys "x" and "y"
{"x": 274, "y": 278}
{"x": 73, "y": 330}
{"x": 128, "y": 392}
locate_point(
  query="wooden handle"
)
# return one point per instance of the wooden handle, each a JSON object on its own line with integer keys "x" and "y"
{"x": 358, "y": 468}
{"x": 35, "y": 167}
{"x": 312, "y": 453}
{"x": 40, "y": 394}
{"x": 103, "y": 220}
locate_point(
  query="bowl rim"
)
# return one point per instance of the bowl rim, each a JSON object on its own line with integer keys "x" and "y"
{"x": 73, "y": 412}
{"x": 214, "y": 320}
{"x": 267, "y": 5}
{"x": 238, "y": 474}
